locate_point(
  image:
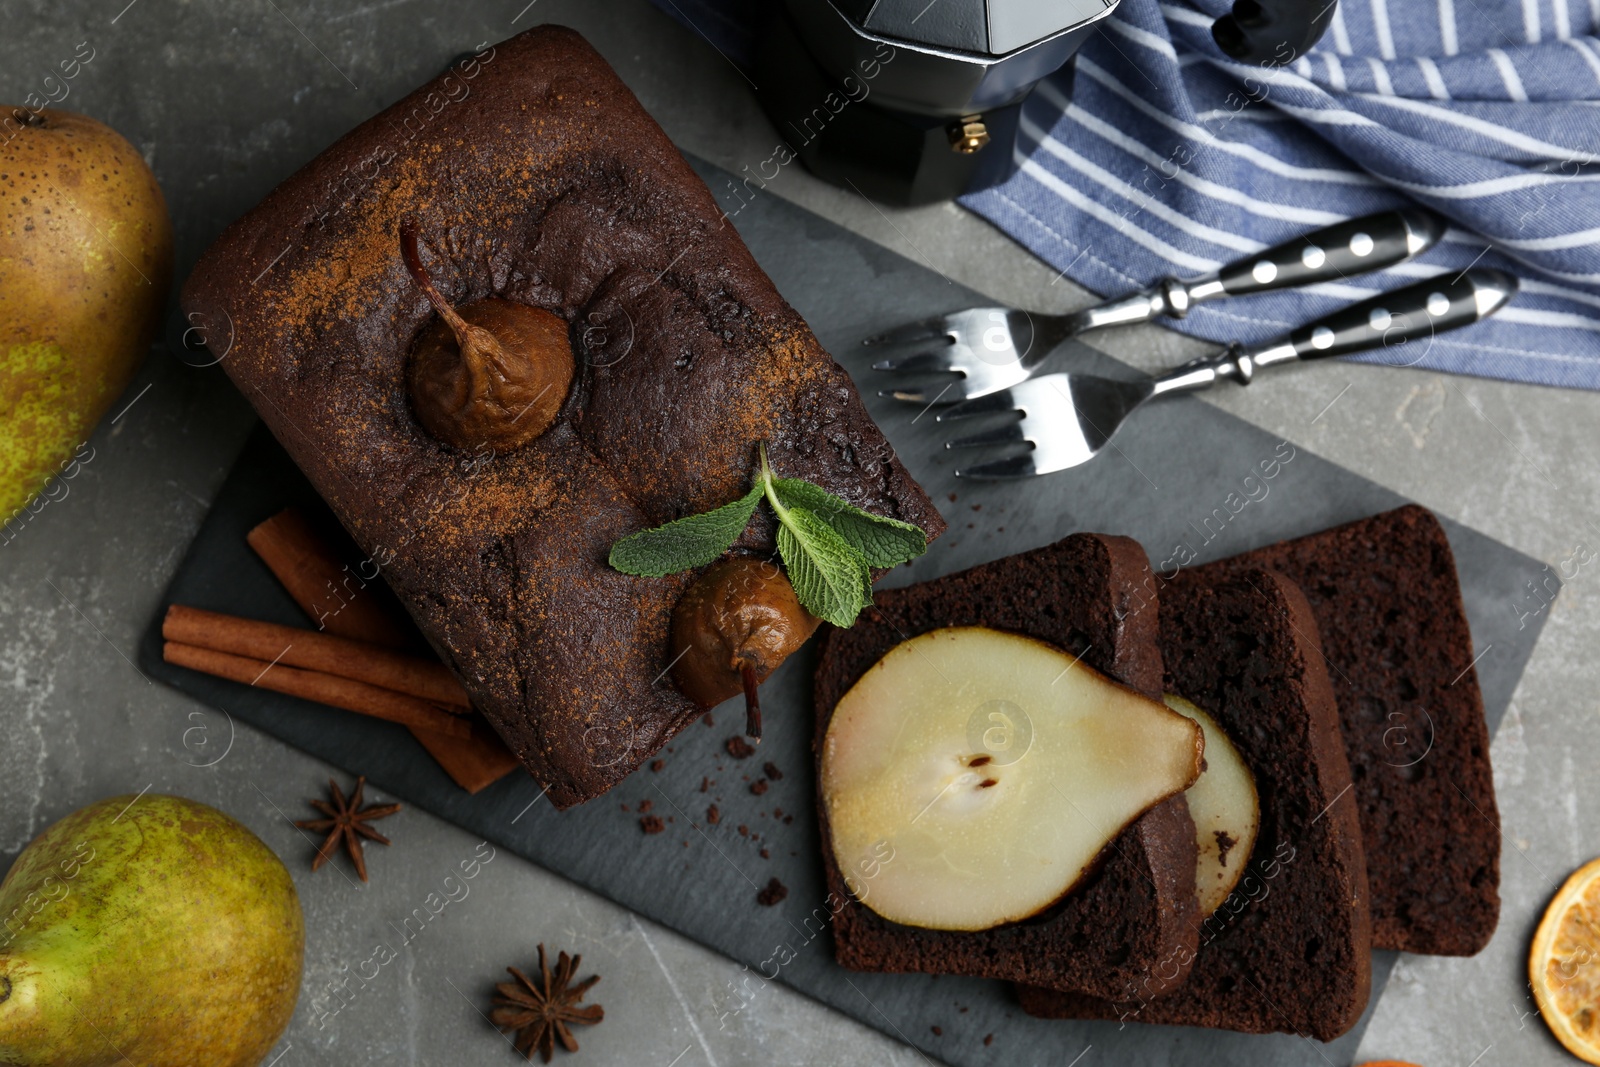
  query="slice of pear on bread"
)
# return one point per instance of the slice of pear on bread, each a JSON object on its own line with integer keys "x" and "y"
{"x": 984, "y": 772}
{"x": 1225, "y": 808}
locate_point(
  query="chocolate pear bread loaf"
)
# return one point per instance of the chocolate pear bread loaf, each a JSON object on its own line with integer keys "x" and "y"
{"x": 1133, "y": 923}
{"x": 530, "y": 174}
{"x": 1290, "y": 949}
{"x": 1388, "y": 604}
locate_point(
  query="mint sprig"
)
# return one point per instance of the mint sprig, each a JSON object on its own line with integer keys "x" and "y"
{"x": 828, "y": 545}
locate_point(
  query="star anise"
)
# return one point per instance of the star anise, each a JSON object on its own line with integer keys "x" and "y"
{"x": 346, "y": 822}
{"x": 542, "y": 1014}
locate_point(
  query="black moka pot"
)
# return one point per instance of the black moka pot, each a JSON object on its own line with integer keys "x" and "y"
{"x": 916, "y": 101}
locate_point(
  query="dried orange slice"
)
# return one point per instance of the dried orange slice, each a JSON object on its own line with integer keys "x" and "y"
{"x": 1564, "y": 966}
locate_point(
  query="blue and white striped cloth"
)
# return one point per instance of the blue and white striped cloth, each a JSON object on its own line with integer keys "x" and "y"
{"x": 1162, "y": 156}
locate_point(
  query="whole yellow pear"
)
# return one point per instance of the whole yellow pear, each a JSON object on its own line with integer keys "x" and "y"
{"x": 85, "y": 265}
{"x": 153, "y": 930}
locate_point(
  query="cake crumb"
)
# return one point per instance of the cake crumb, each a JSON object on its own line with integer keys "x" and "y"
{"x": 708, "y": 720}
{"x": 705, "y": 785}
{"x": 937, "y": 1031}
{"x": 652, "y": 824}
{"x": 772, "y": 772}
{"x": 656, "y": 765}
{"x": 771, "y": 895}
{"x": 645, "y": 805}
{"x": 744, "y": 831}
{"x": 758, "y": 787}
{"x": 766, "y": 854}
{"x": 739, "y": 748}
{"x": 988, "y": 1039}
{"x": 713, "y": 815}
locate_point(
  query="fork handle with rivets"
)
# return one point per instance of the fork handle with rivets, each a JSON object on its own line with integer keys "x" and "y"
{"x": 1330, "y": 254}
{"x": 1396, "y": 320}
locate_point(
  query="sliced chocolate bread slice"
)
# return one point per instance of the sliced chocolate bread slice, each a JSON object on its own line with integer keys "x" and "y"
{"x": 1388, "y": 603}
{"x": 1137, "y": 914}
{"x": 1290, "y": 949}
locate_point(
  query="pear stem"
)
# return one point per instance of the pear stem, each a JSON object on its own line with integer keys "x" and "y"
{"x": 752, "y": 702}
{"x": 411, "y": 252}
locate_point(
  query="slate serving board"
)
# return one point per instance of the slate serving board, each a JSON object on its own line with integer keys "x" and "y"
{"x": 1175, "y": 478}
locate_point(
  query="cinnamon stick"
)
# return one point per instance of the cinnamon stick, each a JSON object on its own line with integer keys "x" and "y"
{"x": 330, "y": 689}
{"x": 293, "y": 646}
{"x": 305, "y": 565}
{"x": 474, "y": 764}
{"x": 334, "y": 595}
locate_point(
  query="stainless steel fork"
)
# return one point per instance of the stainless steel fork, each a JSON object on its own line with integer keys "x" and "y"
{"x": 1067, "y": 418}
{"x": 994, "y": 348}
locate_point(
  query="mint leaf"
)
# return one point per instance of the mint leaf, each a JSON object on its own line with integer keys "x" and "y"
{"x": 829, "y": 546}
{"x": 882, "y": 541}
{"x": 830, "y": 578}
{"x": 692, "y": 541}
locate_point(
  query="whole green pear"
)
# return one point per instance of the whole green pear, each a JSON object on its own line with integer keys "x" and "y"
{"x": 85, "y": 265}
{"x": 155, "y": 931}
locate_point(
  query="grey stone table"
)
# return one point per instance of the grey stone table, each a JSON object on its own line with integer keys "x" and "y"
{"x": 222, "y": 98}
